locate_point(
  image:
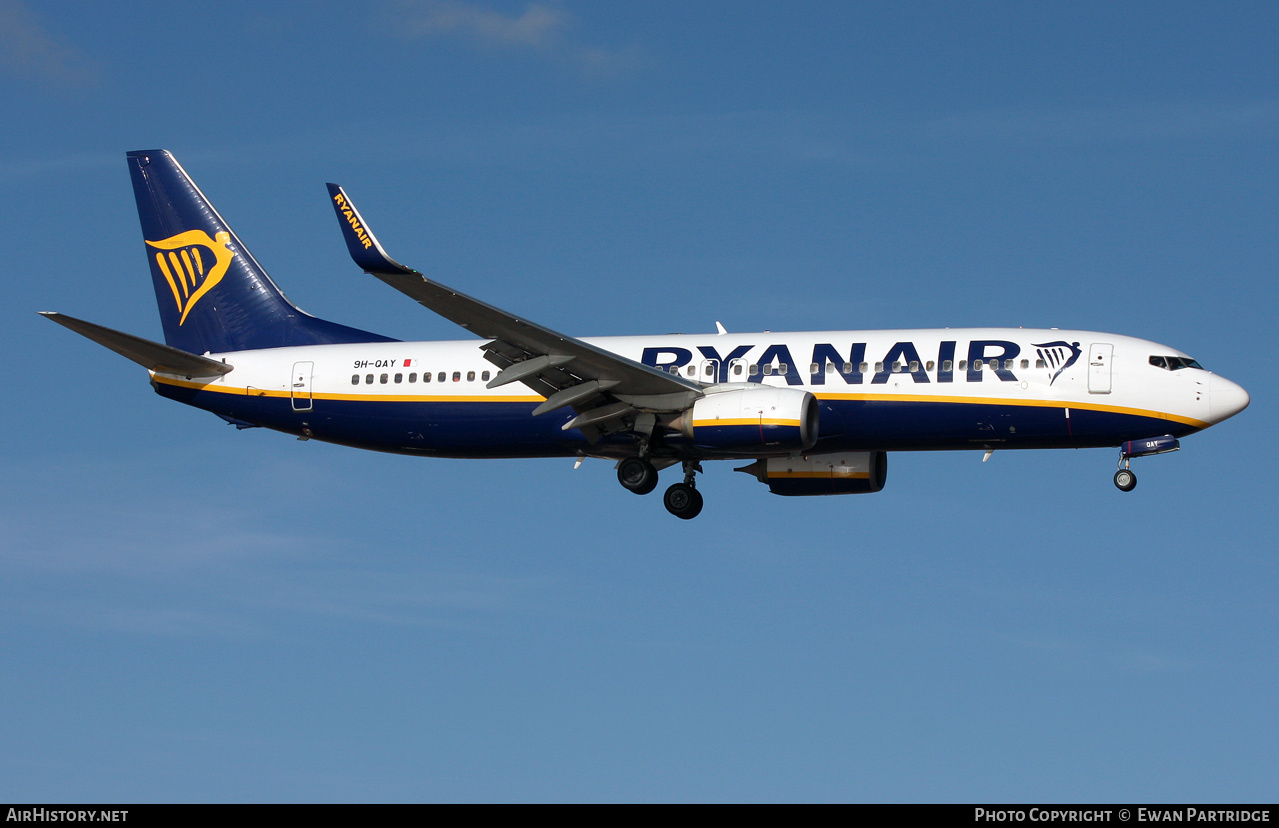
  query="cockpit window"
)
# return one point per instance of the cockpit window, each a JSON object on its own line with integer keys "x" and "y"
{"x": 1174, "y": 363}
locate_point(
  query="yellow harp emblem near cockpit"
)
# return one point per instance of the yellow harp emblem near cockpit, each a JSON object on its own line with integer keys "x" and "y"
{"x": 192, "y": 263}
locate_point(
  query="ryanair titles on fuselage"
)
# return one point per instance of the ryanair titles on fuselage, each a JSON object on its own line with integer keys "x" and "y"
{"x": 999, "y": 356}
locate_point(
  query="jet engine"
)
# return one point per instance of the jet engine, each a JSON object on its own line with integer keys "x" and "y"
{"x": 756, "y": 420}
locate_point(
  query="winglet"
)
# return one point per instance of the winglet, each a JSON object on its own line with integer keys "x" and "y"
{"x": 364, "y": 247}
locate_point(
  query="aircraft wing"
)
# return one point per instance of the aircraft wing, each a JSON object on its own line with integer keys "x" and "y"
{"x": 602, "y": 386}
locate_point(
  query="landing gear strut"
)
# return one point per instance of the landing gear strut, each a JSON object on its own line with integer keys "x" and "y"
{"x": 683, "y": 500}
{"x": 1125, "y": 478}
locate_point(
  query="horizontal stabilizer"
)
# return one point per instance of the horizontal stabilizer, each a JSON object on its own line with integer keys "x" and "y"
{"x": 162, "y": 359}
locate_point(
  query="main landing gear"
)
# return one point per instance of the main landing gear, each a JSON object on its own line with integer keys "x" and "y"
{"x": 637, "y": 474}
{"x": 682, "y": 499}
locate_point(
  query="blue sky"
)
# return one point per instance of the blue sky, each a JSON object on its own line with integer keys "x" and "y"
{"x": 188, "y": 612}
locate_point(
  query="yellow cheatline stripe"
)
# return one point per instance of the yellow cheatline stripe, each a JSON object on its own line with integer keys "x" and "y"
{"x": 1071, "y": 404}
{"x": 241, "y": 391}
{"x": 755, "y": 421}
{"x": 529, "y": 398}
{"x": 532, "y": 398}
{"x": 821, "y": 474}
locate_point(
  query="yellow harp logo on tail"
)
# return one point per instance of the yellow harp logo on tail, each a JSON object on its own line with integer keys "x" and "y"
{"x": 192, "y": 263}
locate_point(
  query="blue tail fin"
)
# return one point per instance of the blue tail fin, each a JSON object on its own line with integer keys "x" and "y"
{"x": 213, "y": 295}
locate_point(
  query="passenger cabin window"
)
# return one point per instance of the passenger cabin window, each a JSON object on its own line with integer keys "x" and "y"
{"x": 368, "y": 379}
{"x": 1025, "y": 363}
{"x": 848, "y": 367}
{"x": 382, "y": 379}
{"x": 426, "y": 376}
{"x": 485, "y": 376}
{"x": 930, "y": 365}
{"x": 355, "y": 379}
{"x": 1039, "y": 363}
{"x": 914, "y": 366}
{"x": 470, "y": 376}
{"x": 457, "y": 376}
{"x": 399, "y": 378}
{"x": 412, "y": 377}
{"x": 948, "y": 366}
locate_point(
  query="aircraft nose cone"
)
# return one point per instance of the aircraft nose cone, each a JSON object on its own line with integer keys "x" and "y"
{"x": 1225, "y": 398}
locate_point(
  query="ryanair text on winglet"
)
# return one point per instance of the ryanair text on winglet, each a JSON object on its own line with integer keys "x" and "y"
{"x": 353, "y": 220}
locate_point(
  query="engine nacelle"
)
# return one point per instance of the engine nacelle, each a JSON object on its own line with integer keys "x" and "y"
{"x": 760, "y": 419}
{"x": 822, "y": 474}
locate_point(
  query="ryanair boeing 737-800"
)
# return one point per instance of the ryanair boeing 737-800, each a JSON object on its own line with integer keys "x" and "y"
{"x": 814, "y": 412}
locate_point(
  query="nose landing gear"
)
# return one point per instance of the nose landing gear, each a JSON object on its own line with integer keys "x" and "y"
{"x": 1125, "y": 478}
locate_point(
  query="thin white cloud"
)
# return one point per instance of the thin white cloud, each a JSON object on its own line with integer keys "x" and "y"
{"x": 542, "y": 28}
{"x": 168, "y": 560}
{"x": 27, "y": 49}
{"x": 539, "y": 26}
{"x": 1136, "y": 123}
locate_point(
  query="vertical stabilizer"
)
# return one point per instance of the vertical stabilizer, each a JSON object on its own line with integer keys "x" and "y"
{"x": 213, "y": 295}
